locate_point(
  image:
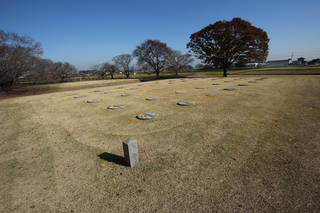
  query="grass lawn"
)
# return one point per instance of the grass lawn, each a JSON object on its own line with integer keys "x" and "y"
{"x": 254, "y": 149}
{"x": 285, "y": 70}
{"x": 277, "y": 70}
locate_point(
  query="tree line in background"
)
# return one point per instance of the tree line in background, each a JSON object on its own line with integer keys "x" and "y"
{"x": 152, "y": 56}
{"x": 219, "y": 45}
{"x": 20, "y": 59}
{"x": 20, "y": 56}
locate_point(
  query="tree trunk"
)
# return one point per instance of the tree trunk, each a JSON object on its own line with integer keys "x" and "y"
{"x": 157, "y": 73}
{"x": 111, "y": 76}
{"x": 224, "y": 72}
{"x": 127, "y": 73}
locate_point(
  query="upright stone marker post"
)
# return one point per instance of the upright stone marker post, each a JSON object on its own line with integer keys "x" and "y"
{"x": 131, "y": 153}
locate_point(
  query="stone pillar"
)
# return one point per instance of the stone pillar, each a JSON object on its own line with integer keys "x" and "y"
{"x": 131, "y": 153}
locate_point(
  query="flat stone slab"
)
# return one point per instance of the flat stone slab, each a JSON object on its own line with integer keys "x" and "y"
{"x": 212, "y": 94}
{"x": 252, "y": 82}
{"x": 215, "y": 84}
{"x": 180, "y": 92}
{"x": 119, "y": 106}
{"x": 229, "y": 89}
{"x": 125, "y": 94}
{"x": 199, "y": 87}
{"x": 186, "y": 103}
{"x": 107, "y": 92}
{"x": 237, "y": 79}
{"x": 226, "y": 81}
{"x": 132, "y": 88}
{"x": 242, "y": 85}
{"x": 97, "y": 91}
{"x": 152, "y": 99}
{"x": 147, "y": 116}
{"x": 93, "y": 100}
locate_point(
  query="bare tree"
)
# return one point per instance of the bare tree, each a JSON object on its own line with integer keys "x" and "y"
{"x": 109, "y": 69}
{"x": 123, "y": 63}
{"x": 154, "y": 53}
{"x": 144, "y": 68}
{"x": 199, "y": 66}
{"x": 16, "y": 56}
{"x": 62, "y": 71}
{"x": 179, "y": 62}
{"x": 99, "y": 70}
{"x": 41, "y": 70}
{"x": 44, "y": 71}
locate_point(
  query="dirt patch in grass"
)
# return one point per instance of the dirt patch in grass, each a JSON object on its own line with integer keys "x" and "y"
{"x": 255, "y": 149}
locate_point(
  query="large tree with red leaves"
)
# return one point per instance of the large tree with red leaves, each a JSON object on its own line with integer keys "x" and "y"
{"x": 227, "y": 42}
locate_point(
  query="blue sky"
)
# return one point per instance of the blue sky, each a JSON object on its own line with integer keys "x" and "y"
{"x": 91, "y": 32}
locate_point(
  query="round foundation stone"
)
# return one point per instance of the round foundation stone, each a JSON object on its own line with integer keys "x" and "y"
{"x": 147, "y": 116}
{"x": 186, "y": 103}
{"x": 93, "y": 101}
{"x": 119, "y": 106}
{"x": 125, "y": 95}
{"x": 152, "y": 99}
{"x": 79, "y": 96}
{"x": 229, "y": 89}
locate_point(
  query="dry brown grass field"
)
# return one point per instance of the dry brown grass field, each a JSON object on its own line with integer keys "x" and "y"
{"x": 59, "y": 87}
{"x": 254, "y": 149}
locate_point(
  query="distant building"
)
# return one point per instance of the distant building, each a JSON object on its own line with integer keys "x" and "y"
{"x": 278, "y": 63}
{"x": 253, "y": 65}
{"x": 301, "y": 61}
{"x": 87, "y": 72}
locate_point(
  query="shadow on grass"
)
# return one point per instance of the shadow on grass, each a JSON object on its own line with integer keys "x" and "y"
{"x": 113, "y": 158}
